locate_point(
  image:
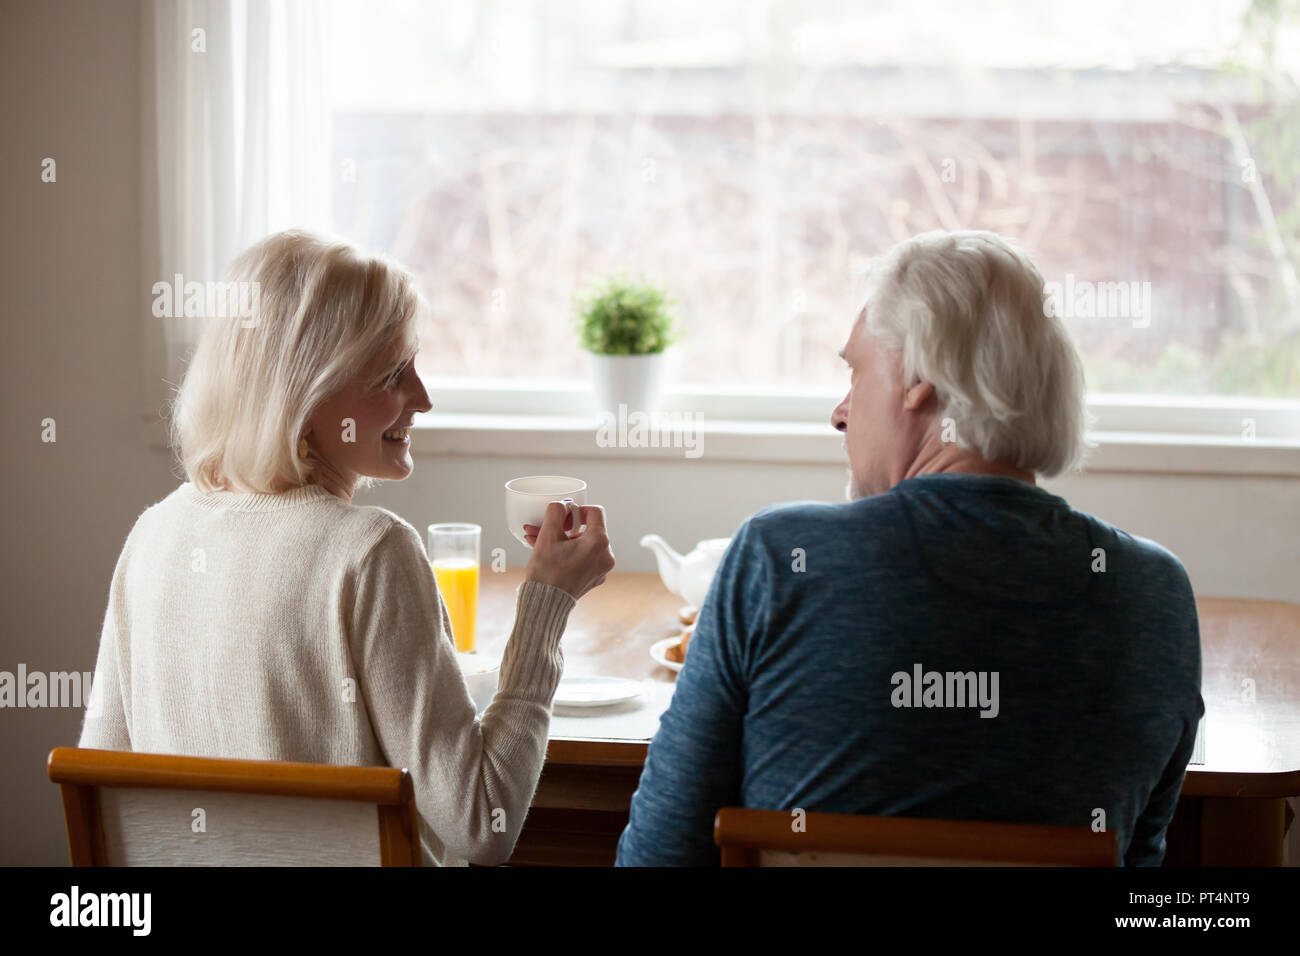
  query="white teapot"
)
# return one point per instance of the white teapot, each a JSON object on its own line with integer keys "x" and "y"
{"x": 689, "y": 576}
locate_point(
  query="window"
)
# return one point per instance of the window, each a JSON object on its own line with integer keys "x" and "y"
{"x": 754, "y": 156}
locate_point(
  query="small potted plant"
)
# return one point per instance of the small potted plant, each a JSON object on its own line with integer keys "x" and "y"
{"x": 626, "y": 325}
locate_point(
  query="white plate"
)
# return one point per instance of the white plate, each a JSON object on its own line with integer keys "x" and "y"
{"x": 657, "y": 652}
{"x": 595, "y": 691}
{"x": 473, "y": 665}
{"x": 481, "y": 673}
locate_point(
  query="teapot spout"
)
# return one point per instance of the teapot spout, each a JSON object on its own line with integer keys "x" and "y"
{"x": 670, "y": 562}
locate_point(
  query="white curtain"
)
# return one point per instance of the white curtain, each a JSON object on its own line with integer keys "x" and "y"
{"x": 243, "y": 138}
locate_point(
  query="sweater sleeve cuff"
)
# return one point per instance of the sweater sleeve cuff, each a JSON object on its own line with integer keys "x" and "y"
{"x": 533, "y": 661}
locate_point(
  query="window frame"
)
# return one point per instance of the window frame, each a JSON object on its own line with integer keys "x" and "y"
{"x": 1149, "y": 434}
{"x": 554, "y": 420}
{"x": 1207, "y": 418}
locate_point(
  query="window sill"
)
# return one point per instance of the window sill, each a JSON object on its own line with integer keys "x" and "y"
{"x": 816, "y": 443}
{"x": 545, "y": 436}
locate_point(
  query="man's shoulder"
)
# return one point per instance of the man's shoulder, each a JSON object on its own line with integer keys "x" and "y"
{"x": 1136, "y": 551}
{"x": 812, "y": 520}
{"x": 882, "y": 506}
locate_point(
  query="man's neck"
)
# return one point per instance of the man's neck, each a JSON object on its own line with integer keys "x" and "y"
{"x": 950, "y": 459}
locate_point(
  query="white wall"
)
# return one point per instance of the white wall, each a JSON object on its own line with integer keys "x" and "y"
{"x": 69, "y": 271}
{"x": 74, "y": 289}
{"x": 1237, "y": 536}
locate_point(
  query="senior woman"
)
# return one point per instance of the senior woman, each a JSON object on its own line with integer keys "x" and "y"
{"x": 257, "y": 613}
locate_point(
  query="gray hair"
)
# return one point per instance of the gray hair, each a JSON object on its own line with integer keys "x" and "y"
{"x": 968, "y": 311}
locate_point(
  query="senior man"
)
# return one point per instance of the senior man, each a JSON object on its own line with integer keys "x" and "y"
{"x": 954, "y": 642}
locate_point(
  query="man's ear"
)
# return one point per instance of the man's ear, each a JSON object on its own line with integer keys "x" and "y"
{"x": 914, "y": 398}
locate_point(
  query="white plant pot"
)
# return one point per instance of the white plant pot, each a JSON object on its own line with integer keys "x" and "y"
{"x": 631, "y": 380}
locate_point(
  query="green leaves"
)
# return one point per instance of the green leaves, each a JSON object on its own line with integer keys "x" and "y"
{"x": 620, "y": 316}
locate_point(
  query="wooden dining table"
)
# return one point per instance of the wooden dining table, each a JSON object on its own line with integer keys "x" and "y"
{"x": 1232, "y": 810}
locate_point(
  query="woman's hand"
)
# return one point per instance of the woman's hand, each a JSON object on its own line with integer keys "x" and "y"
{"x": 575, "y": 564}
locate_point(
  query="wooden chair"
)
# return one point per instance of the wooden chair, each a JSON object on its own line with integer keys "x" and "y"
{"x": 137, "y": 809}
{"x": 768, "y": 838}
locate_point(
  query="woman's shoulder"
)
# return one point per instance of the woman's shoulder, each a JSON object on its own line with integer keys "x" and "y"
{"x": 363, "y": 529}
{"x": 163, "y": 510}
{"x": 385, "y": 524}
{"x": 331, "y": 523}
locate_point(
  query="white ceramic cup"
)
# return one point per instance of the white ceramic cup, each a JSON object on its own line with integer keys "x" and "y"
{"x": 527, "y": 498}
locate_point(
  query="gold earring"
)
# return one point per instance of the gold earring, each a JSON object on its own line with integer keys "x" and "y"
{"x": 302, "y": 448}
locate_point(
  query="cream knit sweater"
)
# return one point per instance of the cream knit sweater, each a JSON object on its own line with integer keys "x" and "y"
{"x": 301, "y": 627}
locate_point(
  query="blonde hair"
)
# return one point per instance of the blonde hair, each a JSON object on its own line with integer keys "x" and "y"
{"x": 321, "y": 310}
{"x": 967, "y": 310}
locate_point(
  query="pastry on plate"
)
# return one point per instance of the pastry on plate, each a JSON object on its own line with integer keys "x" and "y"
{"x": 677, "y": 652}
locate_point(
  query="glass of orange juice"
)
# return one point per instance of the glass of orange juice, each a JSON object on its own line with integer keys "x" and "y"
{"x": 454, "y": 555}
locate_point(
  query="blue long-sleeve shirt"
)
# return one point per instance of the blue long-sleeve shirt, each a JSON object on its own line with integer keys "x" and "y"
{"x": 1074, "y": 647}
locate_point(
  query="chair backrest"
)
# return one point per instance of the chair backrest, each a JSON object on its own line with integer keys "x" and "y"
{"x": 136, "y": 809}
{"x": 780, "y": 838}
